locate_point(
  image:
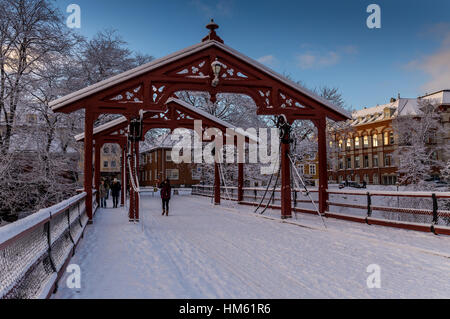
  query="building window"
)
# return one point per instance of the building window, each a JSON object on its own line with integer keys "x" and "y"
{"x": 349, "y": 178}
{"x": 312, "y": 169}
{"x": 302, "y": 169}
{"x": 356, "y": 161}
{"x": 105, "y": 164}
{"x": 349, "y": 143}
{"x": 375, "y": 140}
{"x": 341, "y": 144}
{"x": 375, "y": 178}
{"x": 172, "y": 174}
{"x": 366, "y": 161}
{"x": 366, "y": 178}
{"x": 349, "y": 162}
{"x": 388, "y": 138}
{"x": 168, "y": 156}
{"x": 387, "y": 160}
{"x": 366, "y": 141}
{"x": 375, "y": 160}
{"x": 357, "y": 178}
{"x": 113, "y": 163}
{"x": 357, "y": 142}
{"x": 113, "y": 149}
{"x": 341, "y": 163}
{"x": 106, "y": 150}
{"x": 389, "y": 180}
{"x": 391, "y": 138}
{"x": 31, "y": 118}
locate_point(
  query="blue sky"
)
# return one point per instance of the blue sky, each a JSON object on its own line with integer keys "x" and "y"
{"x": 320, "y": 42}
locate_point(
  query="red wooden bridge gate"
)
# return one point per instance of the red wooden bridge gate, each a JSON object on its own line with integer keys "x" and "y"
{"x": 209, "y": 66}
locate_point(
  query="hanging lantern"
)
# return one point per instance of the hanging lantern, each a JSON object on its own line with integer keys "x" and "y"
{"x": 216, "y": 68}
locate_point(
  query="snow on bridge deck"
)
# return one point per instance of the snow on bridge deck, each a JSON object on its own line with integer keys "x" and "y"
{"x": 202, "y": 251}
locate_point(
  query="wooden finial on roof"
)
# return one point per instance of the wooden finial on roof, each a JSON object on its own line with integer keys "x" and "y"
{"x": 212, "y": 26}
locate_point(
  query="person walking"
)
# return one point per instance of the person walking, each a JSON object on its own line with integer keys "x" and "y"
{"x": 115, "y": 192}
{"x": 102, "y": 194}
{"x": 166, "y": 191}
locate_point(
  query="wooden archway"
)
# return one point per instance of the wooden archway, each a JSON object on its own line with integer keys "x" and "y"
{"x": 178, "y": 114}
{"x": 148, "y": 88}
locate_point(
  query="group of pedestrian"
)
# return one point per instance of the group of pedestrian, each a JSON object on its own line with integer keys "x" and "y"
{"x": 115, "y": 188}
{"x": 104, "y": 190}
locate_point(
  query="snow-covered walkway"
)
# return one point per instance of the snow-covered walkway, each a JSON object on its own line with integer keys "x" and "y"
{"x": 203, "y": 251}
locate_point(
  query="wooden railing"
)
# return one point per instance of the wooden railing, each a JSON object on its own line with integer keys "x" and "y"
{"x": 422, "y": 211}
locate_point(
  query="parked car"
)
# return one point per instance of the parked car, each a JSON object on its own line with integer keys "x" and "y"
{"x": 341, "y": 185}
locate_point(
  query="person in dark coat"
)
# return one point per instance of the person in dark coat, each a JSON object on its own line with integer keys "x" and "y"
{"x": 102, "y": 194}
{"x": 166, "y": 191}
{"x": 115, "y": 192}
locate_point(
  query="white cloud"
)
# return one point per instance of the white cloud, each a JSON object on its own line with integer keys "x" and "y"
{"x": 320, "y": 59}
{"x": 437, "y": 64}
{"x": 437, "y": 67}
{"x": 268, "y": 60}
{"x": 317, "y": 60}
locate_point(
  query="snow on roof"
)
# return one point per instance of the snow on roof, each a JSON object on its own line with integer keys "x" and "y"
{"x": 78, "y": 95}
{"x": 373, "y": 110}
{"x": 408, "y": 107}
{"x": 162, "y": 141}
{"x": 440, "y": 97}
{"x": 402, "y": 106}
{"x": 103, "y": 127}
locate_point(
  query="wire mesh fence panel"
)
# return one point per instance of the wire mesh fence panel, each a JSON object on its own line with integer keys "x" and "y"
{"x": 61, "y": 249}
{"x": 443, "y": 212}
{"x": 20, "y": 255}
{"x": 348, "y": 203}
{"x": 34, "y": 282}
{"x": 35, "y": 248}
{"x": 404, "y": 209}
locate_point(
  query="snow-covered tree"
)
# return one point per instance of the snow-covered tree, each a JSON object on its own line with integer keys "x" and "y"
{"x": 417, "y": 134}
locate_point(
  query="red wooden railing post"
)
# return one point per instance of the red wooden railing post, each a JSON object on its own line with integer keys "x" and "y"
{"x": 240, "y": 194}
{"x": 286, "y": 205}
{"x": 122, "y": 175}
{"x": 97, "y": 170}
{"x": 322, "y": 154}
{"x": 136, "y": 194}
{"x": 216, "y": 184}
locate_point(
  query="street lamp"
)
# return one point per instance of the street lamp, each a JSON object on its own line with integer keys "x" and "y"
{"x": 216, "y": 68}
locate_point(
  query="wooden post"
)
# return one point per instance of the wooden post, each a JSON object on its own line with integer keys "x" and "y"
{"x": 240, "y": 182}
{"x": 286, "y": 204}
{"x": 136, "y": 194}
{"x": 132, "y": 195}
{"x": 123, "y": 180}
{"x": 323, "y": 178}
{"x": 89, "y": 132}
{"x": 216, "y": 184}
{"x": 97, "y": 170}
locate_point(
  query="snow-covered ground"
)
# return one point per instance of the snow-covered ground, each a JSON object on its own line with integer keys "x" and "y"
{"x": 205, "y": 251}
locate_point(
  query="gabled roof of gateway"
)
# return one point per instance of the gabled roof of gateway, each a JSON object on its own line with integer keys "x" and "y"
{"x": 92, "y": 89}
{"x": 202, "y": 114}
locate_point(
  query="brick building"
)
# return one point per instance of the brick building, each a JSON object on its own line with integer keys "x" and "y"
{"x": 365, "y": 151}
{"x": 156, "y": 165}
